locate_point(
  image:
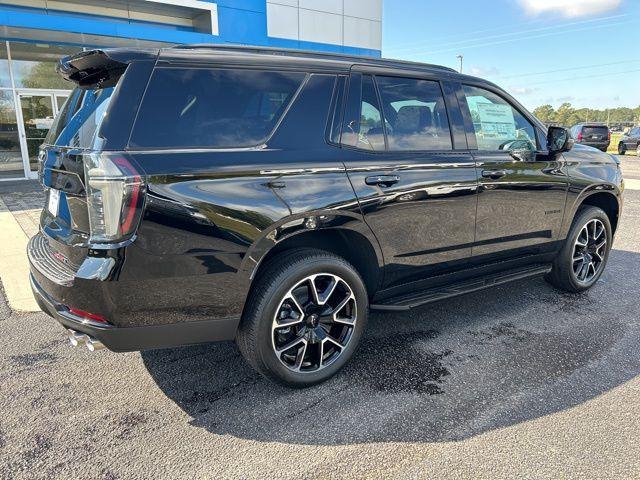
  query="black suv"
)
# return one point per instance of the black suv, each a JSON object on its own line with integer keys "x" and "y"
{"x": 594, "y": 135}
{"x": 630, "y": 141}
{"x": 274, "y": 198}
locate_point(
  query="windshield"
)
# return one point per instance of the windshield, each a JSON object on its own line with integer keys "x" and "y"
{"x": 78, "y": 122}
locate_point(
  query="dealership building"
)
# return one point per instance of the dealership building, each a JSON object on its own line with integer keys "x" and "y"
{"x": 34, "y": 34}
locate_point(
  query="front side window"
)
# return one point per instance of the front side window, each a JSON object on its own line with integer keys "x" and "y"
{"x": 496, "y": 124}
{"x": 415, "y": 114}
{"x": 212, "y": 108}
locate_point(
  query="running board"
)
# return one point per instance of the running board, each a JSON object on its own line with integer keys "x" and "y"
{"x": 416, "y": 299}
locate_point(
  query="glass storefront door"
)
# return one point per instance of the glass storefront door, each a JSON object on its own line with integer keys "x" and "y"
{"x": 31, "y": 94}
{"x": 11, "y": 164}
{"x": 60, "y": 99}
{"x": 38, "y": 111}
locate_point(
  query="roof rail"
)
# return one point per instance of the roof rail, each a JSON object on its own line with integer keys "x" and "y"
{"x": 296, "y": 52}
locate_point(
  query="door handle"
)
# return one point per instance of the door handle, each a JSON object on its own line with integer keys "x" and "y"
{"x": 494, "y": 174}
{"x": 382, "y": 180}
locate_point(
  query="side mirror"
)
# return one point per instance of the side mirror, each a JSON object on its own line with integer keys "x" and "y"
{"x": 559, "y": 140}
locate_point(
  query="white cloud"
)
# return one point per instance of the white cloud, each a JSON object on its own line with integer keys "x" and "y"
{"x": 522, "y": 90}
{"x": 483, "y": 72}
{"x": 570, "y": 8}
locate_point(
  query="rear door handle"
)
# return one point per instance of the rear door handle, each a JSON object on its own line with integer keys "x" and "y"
{"x": 382, "y": 180}
{"x": 494, "y": 174}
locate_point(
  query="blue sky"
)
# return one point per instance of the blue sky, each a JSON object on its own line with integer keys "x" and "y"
{"x": 586, "y": 52}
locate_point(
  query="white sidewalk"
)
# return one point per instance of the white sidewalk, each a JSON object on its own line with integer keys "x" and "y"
{"x": 16, "y": 227}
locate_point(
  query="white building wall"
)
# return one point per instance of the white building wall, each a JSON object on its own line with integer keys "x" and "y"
{"x": 351, "y": 23}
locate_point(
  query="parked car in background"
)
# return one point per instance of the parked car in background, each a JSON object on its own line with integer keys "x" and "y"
{"x": 592, "y": 134}
{"x": 274, "y": 197}
{"x": 629, "y": 141}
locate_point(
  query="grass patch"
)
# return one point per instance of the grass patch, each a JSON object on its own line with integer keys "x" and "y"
{"x": 613, "y": 146}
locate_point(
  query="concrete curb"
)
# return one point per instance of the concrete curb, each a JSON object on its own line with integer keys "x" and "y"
{"x": 631, "y": 184}
{"x": 14, "y": 266}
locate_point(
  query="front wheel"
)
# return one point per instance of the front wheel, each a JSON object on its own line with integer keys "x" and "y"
{"x": 304, "y": 317}
{"x": 584, "y": 255}
{"x": 621, "y": 149}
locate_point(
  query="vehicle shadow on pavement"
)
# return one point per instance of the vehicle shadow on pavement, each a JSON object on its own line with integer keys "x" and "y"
{"x": 447, "y": 371}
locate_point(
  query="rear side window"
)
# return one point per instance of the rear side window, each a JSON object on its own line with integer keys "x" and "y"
{"x": 415, "y": 114}
{"x": 212, "y": 108}
{"x": 365, "y": 131}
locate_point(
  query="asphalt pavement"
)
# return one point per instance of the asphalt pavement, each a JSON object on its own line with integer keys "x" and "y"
{"x": 517, "y": 381}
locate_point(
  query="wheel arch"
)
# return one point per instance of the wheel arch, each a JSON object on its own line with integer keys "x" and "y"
{"x": 607, "y": 200}
{"x": 352, "y": 245}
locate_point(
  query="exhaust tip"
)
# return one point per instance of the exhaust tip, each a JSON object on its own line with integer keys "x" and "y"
{"x": 94, "y": 345}
{"x": 76, "y": 338}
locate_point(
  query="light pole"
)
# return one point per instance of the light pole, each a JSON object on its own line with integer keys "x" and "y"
{"x": 460, "y": 57}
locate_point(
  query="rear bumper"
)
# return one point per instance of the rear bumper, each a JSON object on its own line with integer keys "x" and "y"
{"x": 598, "y": 145}
{"x": 127, "y": 339}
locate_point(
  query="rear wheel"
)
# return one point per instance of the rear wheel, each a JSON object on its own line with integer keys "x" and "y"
{"x": 621, "y": 149}
{"x": 304, "y": 317}
{"x": 584, "y": 255}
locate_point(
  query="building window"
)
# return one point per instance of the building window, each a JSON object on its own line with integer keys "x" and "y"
{"x": 34, "y": 65}
{"x": 5, "y": 79}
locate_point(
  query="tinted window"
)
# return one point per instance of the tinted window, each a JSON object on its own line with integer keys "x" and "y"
{"x": 336, "y": 104}
{"x": 78, "y": 122}
{"x": 212, "y": 107}
{"x": 497, "y": 125}
{"x": 415, "y": 115}
{"x": 595, "y": 130}
{"x": 366, "y": 131}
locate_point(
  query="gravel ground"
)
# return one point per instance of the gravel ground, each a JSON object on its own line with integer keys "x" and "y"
{"x": 520, "y": 380}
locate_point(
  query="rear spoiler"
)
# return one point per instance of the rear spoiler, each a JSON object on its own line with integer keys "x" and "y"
{"x": 100, "y": 68}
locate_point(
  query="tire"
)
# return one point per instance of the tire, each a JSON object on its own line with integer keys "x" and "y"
{"x": 568, "y": 274}
{"x": 281, "y": 310}
{"x": 622, "y": 149}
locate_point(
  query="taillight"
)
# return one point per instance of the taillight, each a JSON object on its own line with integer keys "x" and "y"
{"x": 91, "y": 316}
{"x": 115, "y": 194}
{"x": 609, "y": 135}
{"x": 579, "y": 136}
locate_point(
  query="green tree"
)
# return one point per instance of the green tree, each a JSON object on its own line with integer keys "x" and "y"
{"x": 43, "y": 75}
{"x": 545, "y": 113}
{"x": 568, "y": 116}
{"x": 564, "y": 113}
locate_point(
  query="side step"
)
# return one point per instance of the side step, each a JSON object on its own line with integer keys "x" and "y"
{"x": 416, "y": 299}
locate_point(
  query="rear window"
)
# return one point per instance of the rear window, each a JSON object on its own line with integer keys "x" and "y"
{"x": 595, "y": 130}
{"x": 78, "y": 122}
{"x": 415, "y": 114}
{"x": 212, "y": 108}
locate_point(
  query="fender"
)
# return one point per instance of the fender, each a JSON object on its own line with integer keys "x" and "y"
{"x": 576, "y": 197}
{"x": 326, "y": 220}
